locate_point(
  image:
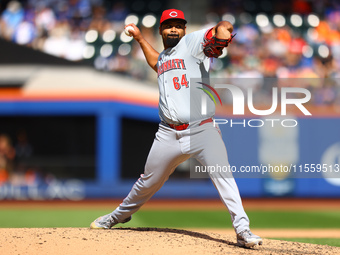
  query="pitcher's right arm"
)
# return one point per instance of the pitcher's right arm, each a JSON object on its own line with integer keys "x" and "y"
{"x": 150, "y": 53}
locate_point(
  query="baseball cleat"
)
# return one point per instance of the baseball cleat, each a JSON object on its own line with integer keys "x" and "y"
{"x": 106, "y": 222}
{"x": 247, "y": 239}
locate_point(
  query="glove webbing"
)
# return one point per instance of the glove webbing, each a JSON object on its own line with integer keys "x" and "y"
{"x": 213, "y": 47}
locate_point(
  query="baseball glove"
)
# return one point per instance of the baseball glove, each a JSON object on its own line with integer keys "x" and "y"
{"x": 213, "y": 47}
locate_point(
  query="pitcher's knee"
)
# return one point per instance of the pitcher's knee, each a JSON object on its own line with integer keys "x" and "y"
{"x": 150, "y": 182}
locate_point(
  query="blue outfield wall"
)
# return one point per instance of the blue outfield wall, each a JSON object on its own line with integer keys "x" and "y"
{"x": 317, "y": 141}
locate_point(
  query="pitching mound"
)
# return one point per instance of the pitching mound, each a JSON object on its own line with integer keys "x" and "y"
{"x": 139, "y": 241}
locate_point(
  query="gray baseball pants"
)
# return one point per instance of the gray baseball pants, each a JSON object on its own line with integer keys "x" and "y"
{"x": 170, "y": 148}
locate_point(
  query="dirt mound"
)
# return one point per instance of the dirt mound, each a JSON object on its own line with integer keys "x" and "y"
{"x": 139, "y": 241}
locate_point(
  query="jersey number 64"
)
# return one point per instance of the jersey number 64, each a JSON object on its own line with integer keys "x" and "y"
{"x": 184, "y": 82}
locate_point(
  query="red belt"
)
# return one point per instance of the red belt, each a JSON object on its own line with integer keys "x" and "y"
{"x": 185, "y": 126}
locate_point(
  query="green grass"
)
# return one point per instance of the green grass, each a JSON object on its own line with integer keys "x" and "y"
{"x": 323, "y": 241}
{"x": 259, "y": 219}
{"x": 10, "y": 218}
{"x": 294, "y": 219}
{"x": 40, "y": 218}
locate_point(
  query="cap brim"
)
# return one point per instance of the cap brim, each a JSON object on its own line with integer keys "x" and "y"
{"x": 185, "y": 22}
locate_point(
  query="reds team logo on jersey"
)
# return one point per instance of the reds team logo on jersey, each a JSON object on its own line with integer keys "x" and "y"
{"x": 171, "y": 65}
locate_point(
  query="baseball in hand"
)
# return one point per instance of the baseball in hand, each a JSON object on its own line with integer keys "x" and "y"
{"x": 128, "y": 29}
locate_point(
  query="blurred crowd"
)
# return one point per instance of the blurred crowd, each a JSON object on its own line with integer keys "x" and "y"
{"x": 13, "y": 160}
{"x": 296, "y": 39}
{"x": 19, "y": 164}
{"x": 55, "y": 27}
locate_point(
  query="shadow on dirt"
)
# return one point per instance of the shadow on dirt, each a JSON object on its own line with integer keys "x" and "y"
{"x": 181, "y": 232}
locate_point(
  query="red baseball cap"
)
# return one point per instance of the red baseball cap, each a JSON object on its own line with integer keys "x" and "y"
{"x": 172, "y": 14}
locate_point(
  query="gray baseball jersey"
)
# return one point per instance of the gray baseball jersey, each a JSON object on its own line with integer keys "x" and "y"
{"x": 179, "y": 99}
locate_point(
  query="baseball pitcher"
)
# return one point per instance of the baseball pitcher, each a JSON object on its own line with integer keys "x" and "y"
{"x": 184, "y": 131}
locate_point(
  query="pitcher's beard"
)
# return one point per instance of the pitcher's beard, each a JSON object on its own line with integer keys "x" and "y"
{"x": 172, "y": 41}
